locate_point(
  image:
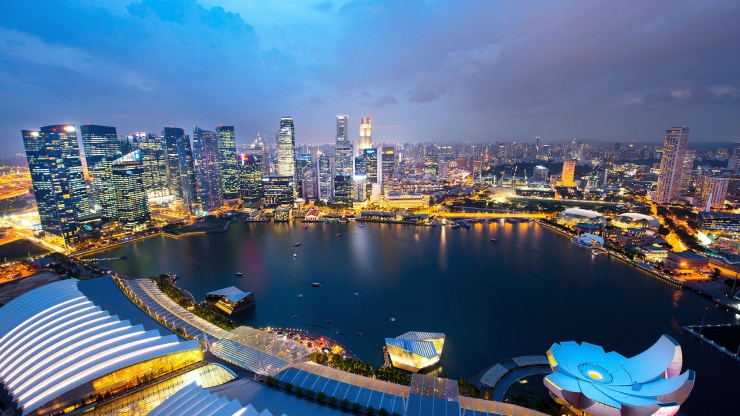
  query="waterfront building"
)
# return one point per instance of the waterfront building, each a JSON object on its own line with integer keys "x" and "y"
{"x": 343, "y": 189}
{"x": 281, "y": 214}
{"x": 250, "y": 178}
{"x": 712, "y": 191}
{"x": 230, "y": 300}
{"x": 286, "y": 148}
{"x": 306, "y": 177}
{"x": 572, "y": 217}
{"x": 387, "y": 164}
{"x": 540, "y": 174}
{"x": 588, "y": 379}
{"x": 154, "y": 162}
{"x": 635, "y": 220}
{"x": 56, "y": 175}
{"x": 685, "y": 260}
{"x": 404, "y": 201}
{"x": 324, "y": 178}
{"x": 227, "y": 160}
{"x": 366, "y": 135}
{"x": 277, "y": 190}
{"x": 180, "y": 167}
{"x": 414, "y": 351}
{"x": 207, "y": 169}
{"x": 361, "y": 188}
{"x": 671, "y": 165}
{"x": 73, "y": 341}
{"x": 131, "y": 204}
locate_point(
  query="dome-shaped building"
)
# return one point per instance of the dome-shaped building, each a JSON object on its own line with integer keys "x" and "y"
{"x": 634, "y": 220}
{"x": 574, "y": 216}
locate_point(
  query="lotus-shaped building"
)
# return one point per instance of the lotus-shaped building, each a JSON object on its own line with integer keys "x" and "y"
{"x": 587, "y": 378}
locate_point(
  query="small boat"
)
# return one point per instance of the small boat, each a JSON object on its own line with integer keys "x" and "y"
{"x": 328, "y": 321}
{"x": 493, "y": 240}
{"x": 357, "y": 294}
{"x": 359, "y": 334}
{"x": 300, "y": 295}
{"x": 361, "y": 226}
{"x": 594, "y": 252}
{"x": 393, "y": 319}
{"x": 339, "y": 235}
{"x": 295, "y": 316}
{"x": 240, "y": 274}
{"x": 295, "y": 255}
{"x": 297, "y": 245}
{"x": 316, "y": 284}
{"x": 305, "y": 226}
{"x": 455, "y": 225}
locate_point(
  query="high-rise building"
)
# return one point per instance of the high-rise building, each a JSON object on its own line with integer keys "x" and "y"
{"x": 101, "y": 146}
{"x": 306, "y": 177}
{"x": 131, "y": 204}
{"x": 366, "y": 135}
{"x": 228, "y": 163}
{"x": 567, "y": 178}
{"x": 712, "y": 191}
{"x": 277, "y": 190}
{"x": 56, "y": 174}
{"x": 180, "y": 167}
{"x": 343, "y": 189}
{"x": 687, "y": 170}
{"x": 207, "y": 169}
{"x": 477, "y": 171}
{"x": 250, "y": 178}
{"x": 370, "y": 157}
{"x": 286, "y": 148}
{"x": 733, "y": 163}
{"x": 343, "y": 148}
{"x": 540, "y": 174}
{"x": 671, "y": 164}
{"x": 324, "y": 178}
{"x": 154, "y": 162}
{"x": 387, "y": 165}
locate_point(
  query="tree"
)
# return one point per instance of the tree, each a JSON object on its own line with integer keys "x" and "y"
{"x": 382, "y": 412}
{"x": 309, "y": 393}
{"x": 321, "y": 396}
{"x": 345, "y": 404}
{"x": 370, "y": 410}
{"x": 357, "y": 407}
{"x": 333, "y": 400}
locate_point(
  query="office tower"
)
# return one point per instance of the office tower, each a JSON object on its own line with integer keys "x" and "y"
{"x": 277, "y": 190}
{"x": 671, "y": 164}
{"x": 361, "y": 188}
{"x": 370, "y": 157}
{"x": 343, "y": 189}
{"x": 387, "y": 163}
{"x": 56, "y": 174}
{"x": 227, "y": 162}
{"x": 286, "y": 148}
{"x": 431, "y": 163}
{"x": 567, "y": 178}
{"x": 687, "y": 170}
{"x": 712, "y": 191}
{"x": 343, "y": 148}
{"x": 477, "y": 171}
{"x": 733, "y": 163}
{"x": 154, "y": 162}
{"x": 324, "y": 177}
{"x": 540, "y": 174}
{"x": 207, "y": 169}
{"x": 180, "y": 167}
{"x": 131, "y": 204}
{"x": 305, "y": 177}
{"x": 250, "y": 179}
{"x": 99, "y": 142}
{"x": 360, "y": 168}
{"x": 366, "y": 135}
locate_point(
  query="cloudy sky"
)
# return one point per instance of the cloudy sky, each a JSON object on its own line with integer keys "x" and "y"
{"x": 423, "y": 70}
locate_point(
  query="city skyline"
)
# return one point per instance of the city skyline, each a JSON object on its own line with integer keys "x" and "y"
{"x": 597, "y": 71}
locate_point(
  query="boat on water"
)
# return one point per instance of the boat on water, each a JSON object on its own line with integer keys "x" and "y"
{"x": 295, "y": 255}
{"x": 455, "y": 225}
{"x": 357, "y": 294}
{"x": 316, "y": 284}
{"x": 361, "y": 226}
{"x": 594, "y": 252}
{"x": 359, "y": 334}
{"x": 328, "y": 321}
{"x": 240, "y": 274}
{"x": 300, "y": 295}
{"x": 464, "y": 224}
{"x": 393, "y": 319}
{"x": 295, "y": 316}
{"x": 493, "y": 240}
{"x": 305, "y": 226}
{"x": 297, "y": 245}
{"x": 339, "y": 235}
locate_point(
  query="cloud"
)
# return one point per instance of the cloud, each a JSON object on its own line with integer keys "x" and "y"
{"x": 424, "y": 94}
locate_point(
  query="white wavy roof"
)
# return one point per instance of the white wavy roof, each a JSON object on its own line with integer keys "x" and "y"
{"x": 638, "y": 217}
{"x": 55, "y": 339}
{"x": 194, "y": 400}
{"x": 581, "y": 212}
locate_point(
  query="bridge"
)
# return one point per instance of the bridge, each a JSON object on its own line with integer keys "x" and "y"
{"x": 97, "y": 259}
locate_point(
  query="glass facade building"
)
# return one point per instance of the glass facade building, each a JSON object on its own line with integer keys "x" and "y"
{"x": 277, "y": 190}
{"x": 227, "y": 160}
{"x": 131, "y": 204}
{"x": 250, "y": 178}
{"x": 180, "y": 167}
{"x": 207, "y": 169}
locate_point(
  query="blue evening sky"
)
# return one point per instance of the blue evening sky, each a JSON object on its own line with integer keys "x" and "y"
{"x": 423, "y": 70}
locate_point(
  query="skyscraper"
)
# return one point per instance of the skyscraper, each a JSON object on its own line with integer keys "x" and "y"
{"x": 180, "y": 167}
{"x": 712, "y": 191}
{"x": 286, "y": 148}
{"x": 131, "y": 204}
{"x": 687, "y": 170}
{"x": 671, "y": 164}
{"x": 101, "y": 146}
{"x": 56, "y": 174}
{"x": 366, "y": 135}
{"x": 306, "y": 177}
{"x": 324, "y": 178}
{"x": 343, "y": 189}
{"x": 343, "y": 148}
{"x": 154, "y": 163}
{"x": 733, "y": 163}
{"x": 228, "y": 162}
{"x": 250, "y": 178}
{"x": 431, "y": 161}
{"x": 370, "y": 157}
{"x": 387, "y": 165}
{"x": 207, "y": 169}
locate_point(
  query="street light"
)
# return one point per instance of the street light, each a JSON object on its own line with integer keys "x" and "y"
{"x": 702, "y": 320}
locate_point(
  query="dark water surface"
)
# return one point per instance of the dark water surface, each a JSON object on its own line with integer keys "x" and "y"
{"x": 493, "y": 300}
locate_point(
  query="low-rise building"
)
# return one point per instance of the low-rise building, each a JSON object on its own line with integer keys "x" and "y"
{"x": 685, "y": 260}
{"x": 230, "y": 300}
